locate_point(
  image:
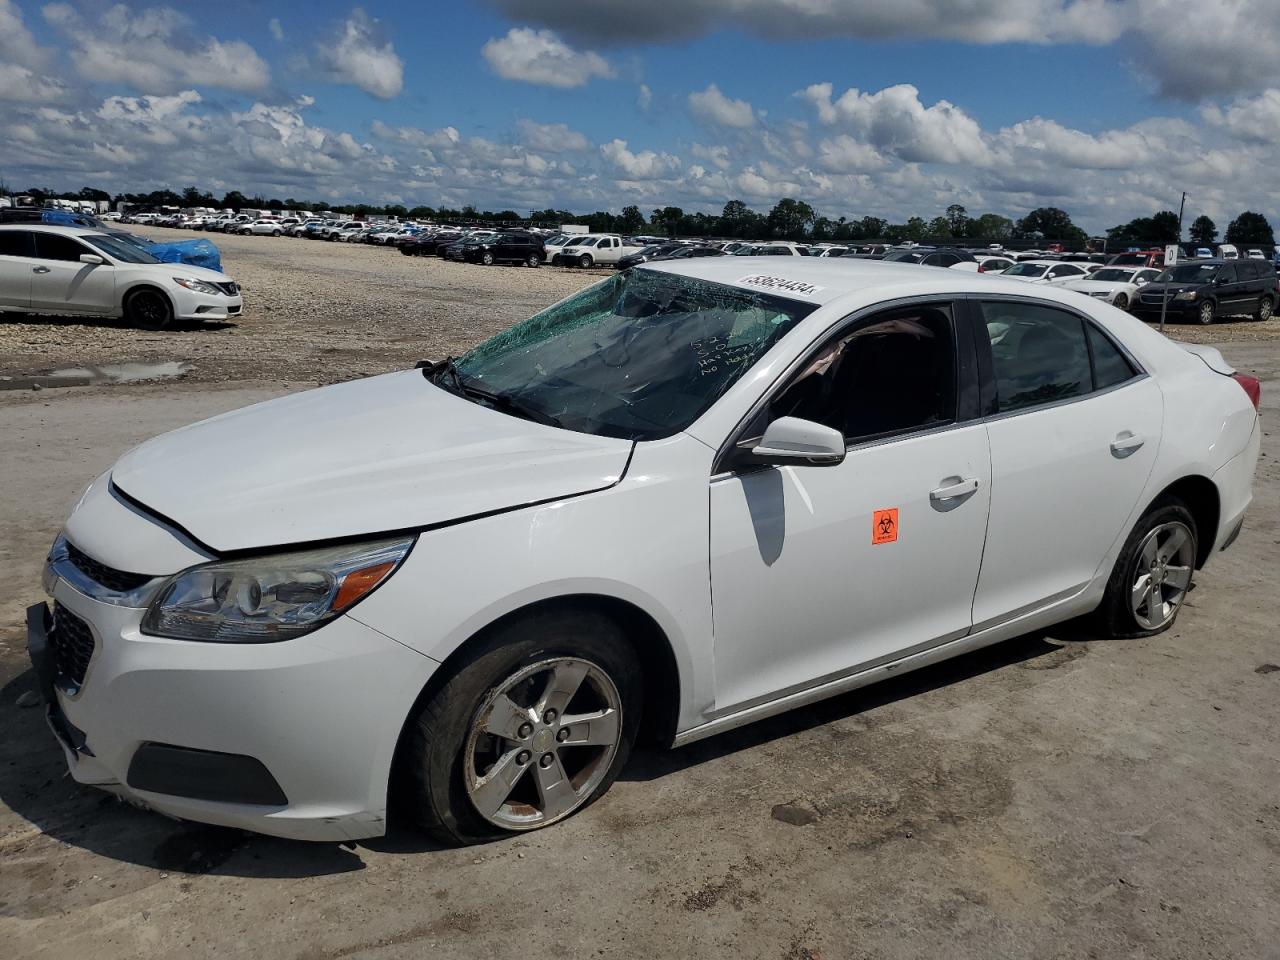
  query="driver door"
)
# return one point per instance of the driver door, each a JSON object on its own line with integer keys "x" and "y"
{"x": 60, "y": 283}
{"x": 821, "y": 571}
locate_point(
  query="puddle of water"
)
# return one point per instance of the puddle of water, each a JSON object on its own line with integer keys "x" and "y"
{"x": 110, "y": 373}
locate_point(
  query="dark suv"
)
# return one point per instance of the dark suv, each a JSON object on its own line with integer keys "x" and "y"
{"x": 1202, "y": 290}
{"x": 506, "y": 248}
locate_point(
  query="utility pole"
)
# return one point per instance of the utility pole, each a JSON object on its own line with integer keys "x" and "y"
{"x": 1164, "y": 300}
{"x": 1181, "y": 207}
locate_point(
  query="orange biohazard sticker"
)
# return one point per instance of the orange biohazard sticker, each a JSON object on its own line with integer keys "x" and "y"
{"x": 884, "y": 526}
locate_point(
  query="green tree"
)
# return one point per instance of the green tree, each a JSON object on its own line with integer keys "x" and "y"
{"x": 871, "y": 228}
{"x": 631, "y": 220}
{"x": 939, "y": 227}
{"x": 1250, "y": 228}
{"x": 667, "y": 219}
{"x": 1204, "y": 232}
{"x": 958, "y": 220}
{"x": 991, "y": 226}
{"x": 234, "y": 200}
{"x": 1051, "y": 223}
{"x": 790, "y": 218}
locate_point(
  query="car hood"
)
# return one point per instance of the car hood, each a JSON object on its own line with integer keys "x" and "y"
{"x": 370, "y": 456}
{"x": 193, "y": 272}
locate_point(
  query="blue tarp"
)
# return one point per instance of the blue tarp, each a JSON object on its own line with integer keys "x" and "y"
{"x": 199, "y": 253}
{"x": 65, "y": 218}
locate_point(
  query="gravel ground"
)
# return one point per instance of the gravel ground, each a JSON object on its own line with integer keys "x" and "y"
{"x": 314, "y": 311}
{"x": 324, "y": 312}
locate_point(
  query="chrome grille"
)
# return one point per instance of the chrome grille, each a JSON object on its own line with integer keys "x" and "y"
{"x": 71, "y": 643}
{"x": 100, "y": 573}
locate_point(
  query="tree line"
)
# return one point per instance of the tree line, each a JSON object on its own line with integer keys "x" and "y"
{"x": 788, "y": 218}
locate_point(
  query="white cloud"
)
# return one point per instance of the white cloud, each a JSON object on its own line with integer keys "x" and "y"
{"x": 644, "y": 98}
{"x": 542, "y": 58}
{"x": 154, "y": 50}
{"x": 646, "y": 165}
{"x": 277, "y": 31}
{"x": 17, "y": 45}
{"x": 551, "y": 137}
{"x": 714, "y": 107}
{"x": 1252, "y": 120}
{"x": 359, "y": 54}
{"x": 26, "y": 86}
{"x": 716, "y": 155}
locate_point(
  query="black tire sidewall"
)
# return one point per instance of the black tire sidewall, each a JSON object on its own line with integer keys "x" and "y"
{"x": 1122, "y": 302}
{"x": 442, "y": 725}
{"x": 1200, "y": 318}
{"x": 1115, "y": 617}
{"x": 132, "y": 317}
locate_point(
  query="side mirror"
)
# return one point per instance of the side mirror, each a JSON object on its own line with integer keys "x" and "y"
{"x": 92, "y": 258}
{"x": 790, "y": 440}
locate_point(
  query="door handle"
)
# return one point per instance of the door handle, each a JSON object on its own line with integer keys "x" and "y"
{"x": 39, "y": 269}
{"x": 950, "y": 492}
{"x": 1126, "y": 443}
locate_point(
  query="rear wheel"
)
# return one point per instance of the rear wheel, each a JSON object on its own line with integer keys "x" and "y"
{"x": 534, "y": 260}
{"x": 275, "y": 233}
{"x": 1153, "y": 573}
{"x": 1205, "y": 313}
{"x": 148, "y": 310}
{"x": 1121, "y": 302}
{"x": 532, "y": 727}
{"x": 584, "y": 261}
{"x": 487, "y": 258}
{"x": 1266, "y": 307}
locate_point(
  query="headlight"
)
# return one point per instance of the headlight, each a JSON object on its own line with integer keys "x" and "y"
{"x": 196, "y": 286}
{"x": 270, "y": 598}
{"x": 1186, "y": 295}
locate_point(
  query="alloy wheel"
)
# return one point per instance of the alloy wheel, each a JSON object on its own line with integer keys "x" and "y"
{"x": 542, "y": 742}
{"x": 1265, "y": 309}
{"x": 1162, "y": 575}
{"x": 1121, "y": 302}
{"x": 1206, "y": 313}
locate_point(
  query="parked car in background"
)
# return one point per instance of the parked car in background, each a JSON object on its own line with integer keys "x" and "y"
{"x": 262, "y": 227}
{"x": 988, "y": 264}
{"x": 1203, "y": 290}
{"x": 453, "y": 251}
{"x": 1117, "y": 286}
{"x": 507, "y": 247}
{"x": 73, "y": 270}
{"x": 1228, "y": 251}
{"x": 346, "y": 231}
{"x": 426, "y": 244}
{"x": 931, "y": 257}
{"x": 594, "y": 249}
{"x": 1204, "y": 253}
{"x": 645, "y": 254}
{"x": 301, "y": 228}
{"x": 468, "y": 590}
{"x": 1256, "y": 254}
{"x": 1138, "y": 258}
{"x": 773, "y": 248}
{"x": 689, "y": 252}
{"x": 1046, "y": 271}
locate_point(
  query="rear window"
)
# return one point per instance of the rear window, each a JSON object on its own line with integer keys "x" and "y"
{"x": 15, "y": 243}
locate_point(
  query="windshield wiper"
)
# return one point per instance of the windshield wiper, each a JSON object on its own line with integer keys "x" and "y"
{"x": 445, "y": 374}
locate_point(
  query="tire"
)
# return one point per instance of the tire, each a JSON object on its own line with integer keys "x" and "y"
{"x": 1121, "y": 302}
{"x": 487, "y": 258}
{"x": 1123, "y": 612}
{"x": 1206, "y": 313}
{"x": 534, "y": 260}
{"x": 275, "y": 233}
{"x": 1266, "y": 308}
{"x": 584, "y": 261}
{"x": 148, "y": 309}
{"x": 451, "y": 760}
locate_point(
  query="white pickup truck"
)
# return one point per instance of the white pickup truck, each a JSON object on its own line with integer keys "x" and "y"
{"x": 591, "y": 250}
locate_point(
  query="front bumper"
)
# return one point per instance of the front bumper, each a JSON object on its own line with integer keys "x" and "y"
{"x": 190, "y": 305}
{"x": 320, "y": 714}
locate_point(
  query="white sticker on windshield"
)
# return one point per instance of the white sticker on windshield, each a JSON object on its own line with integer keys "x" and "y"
{"x": 780, "y": 283}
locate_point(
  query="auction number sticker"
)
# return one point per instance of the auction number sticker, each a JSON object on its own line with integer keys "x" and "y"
{"x": 779, "y": 283}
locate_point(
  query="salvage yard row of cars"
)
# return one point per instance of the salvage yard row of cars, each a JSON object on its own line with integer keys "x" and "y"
{"x": 297, "y": 642}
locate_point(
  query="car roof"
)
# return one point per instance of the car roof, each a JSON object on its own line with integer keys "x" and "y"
{"x": 53, "y": 228}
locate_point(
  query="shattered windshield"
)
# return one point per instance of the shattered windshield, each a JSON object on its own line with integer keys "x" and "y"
{"x": 640, "y": 356}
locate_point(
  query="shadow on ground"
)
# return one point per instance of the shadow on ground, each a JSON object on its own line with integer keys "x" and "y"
{"x": 34, "y": 782}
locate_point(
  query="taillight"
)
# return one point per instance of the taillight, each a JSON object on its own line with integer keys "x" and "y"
{"x": 1251, "y": 385}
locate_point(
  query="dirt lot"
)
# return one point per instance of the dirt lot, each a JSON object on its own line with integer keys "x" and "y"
{"x": 1054, "y": 797}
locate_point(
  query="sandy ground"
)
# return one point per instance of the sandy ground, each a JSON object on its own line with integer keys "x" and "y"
{"x": 1055, "y": 796}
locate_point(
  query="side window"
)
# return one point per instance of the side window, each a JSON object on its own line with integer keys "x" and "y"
{"x": 16, "y": 243}
{"x": 891, "y": 373}
{"x": 1039, "y": 354}
{"x": 1226, "y": 274}
{"x": 53, "y": 246}
{"x": 1110, "y": 366}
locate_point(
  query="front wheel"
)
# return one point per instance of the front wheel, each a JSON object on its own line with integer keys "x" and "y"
{"x": 148, "y": 310}
{"x": 534, "y": 260}
{"x": 1121, "y": 302}
{"x": 1205, "y": 313}
{"x": 1152, "y": 575}
{"x": 486, "y": 258}
{"x": 584, "y": 261}
{"x": 1266, "y": 307}
{"x": 532, "y": 727}
{"x": 275, "y": 233}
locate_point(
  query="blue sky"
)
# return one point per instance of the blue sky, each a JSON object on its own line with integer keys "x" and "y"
{"x": 1108, "y": 108}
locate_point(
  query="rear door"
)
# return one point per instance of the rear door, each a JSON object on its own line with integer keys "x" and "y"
{"x": 60, "y": 283}
{"x": 1074, "y": 429}
{"x": 17, "y": 260}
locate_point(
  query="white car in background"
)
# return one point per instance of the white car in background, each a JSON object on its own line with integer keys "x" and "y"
{"x": 1117, "y": 286}
{"x": 1046, "y": 271}
{"x": 592, "y": 250}
{"x": 266, "y": 226}
{"x": 347, "y": 230}
{"x": 996, "y": 264}
{"x": 491, "y": 575}
{"x": 74, "y": 270}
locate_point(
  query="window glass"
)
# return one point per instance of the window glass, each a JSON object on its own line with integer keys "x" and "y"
{"x": 1226, "y": 274}
{"x": 889, "y": 374}
{"x": 1039, "y": 354}
{"x": 53, "y": 246}
{"x": 15, "y": 243}
{"x": 1110, "y": 366}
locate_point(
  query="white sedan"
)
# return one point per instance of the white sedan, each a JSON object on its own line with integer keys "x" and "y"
{"x": 1046, "y": 271}
{"x": 696, "y": 494}
{"x": 267, "y": 226}
{"x": 72, "y": 270}
{"x": 1117, "y": 286}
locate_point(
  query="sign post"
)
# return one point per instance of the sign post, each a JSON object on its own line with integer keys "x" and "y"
{"x": 1170, "y": 261}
